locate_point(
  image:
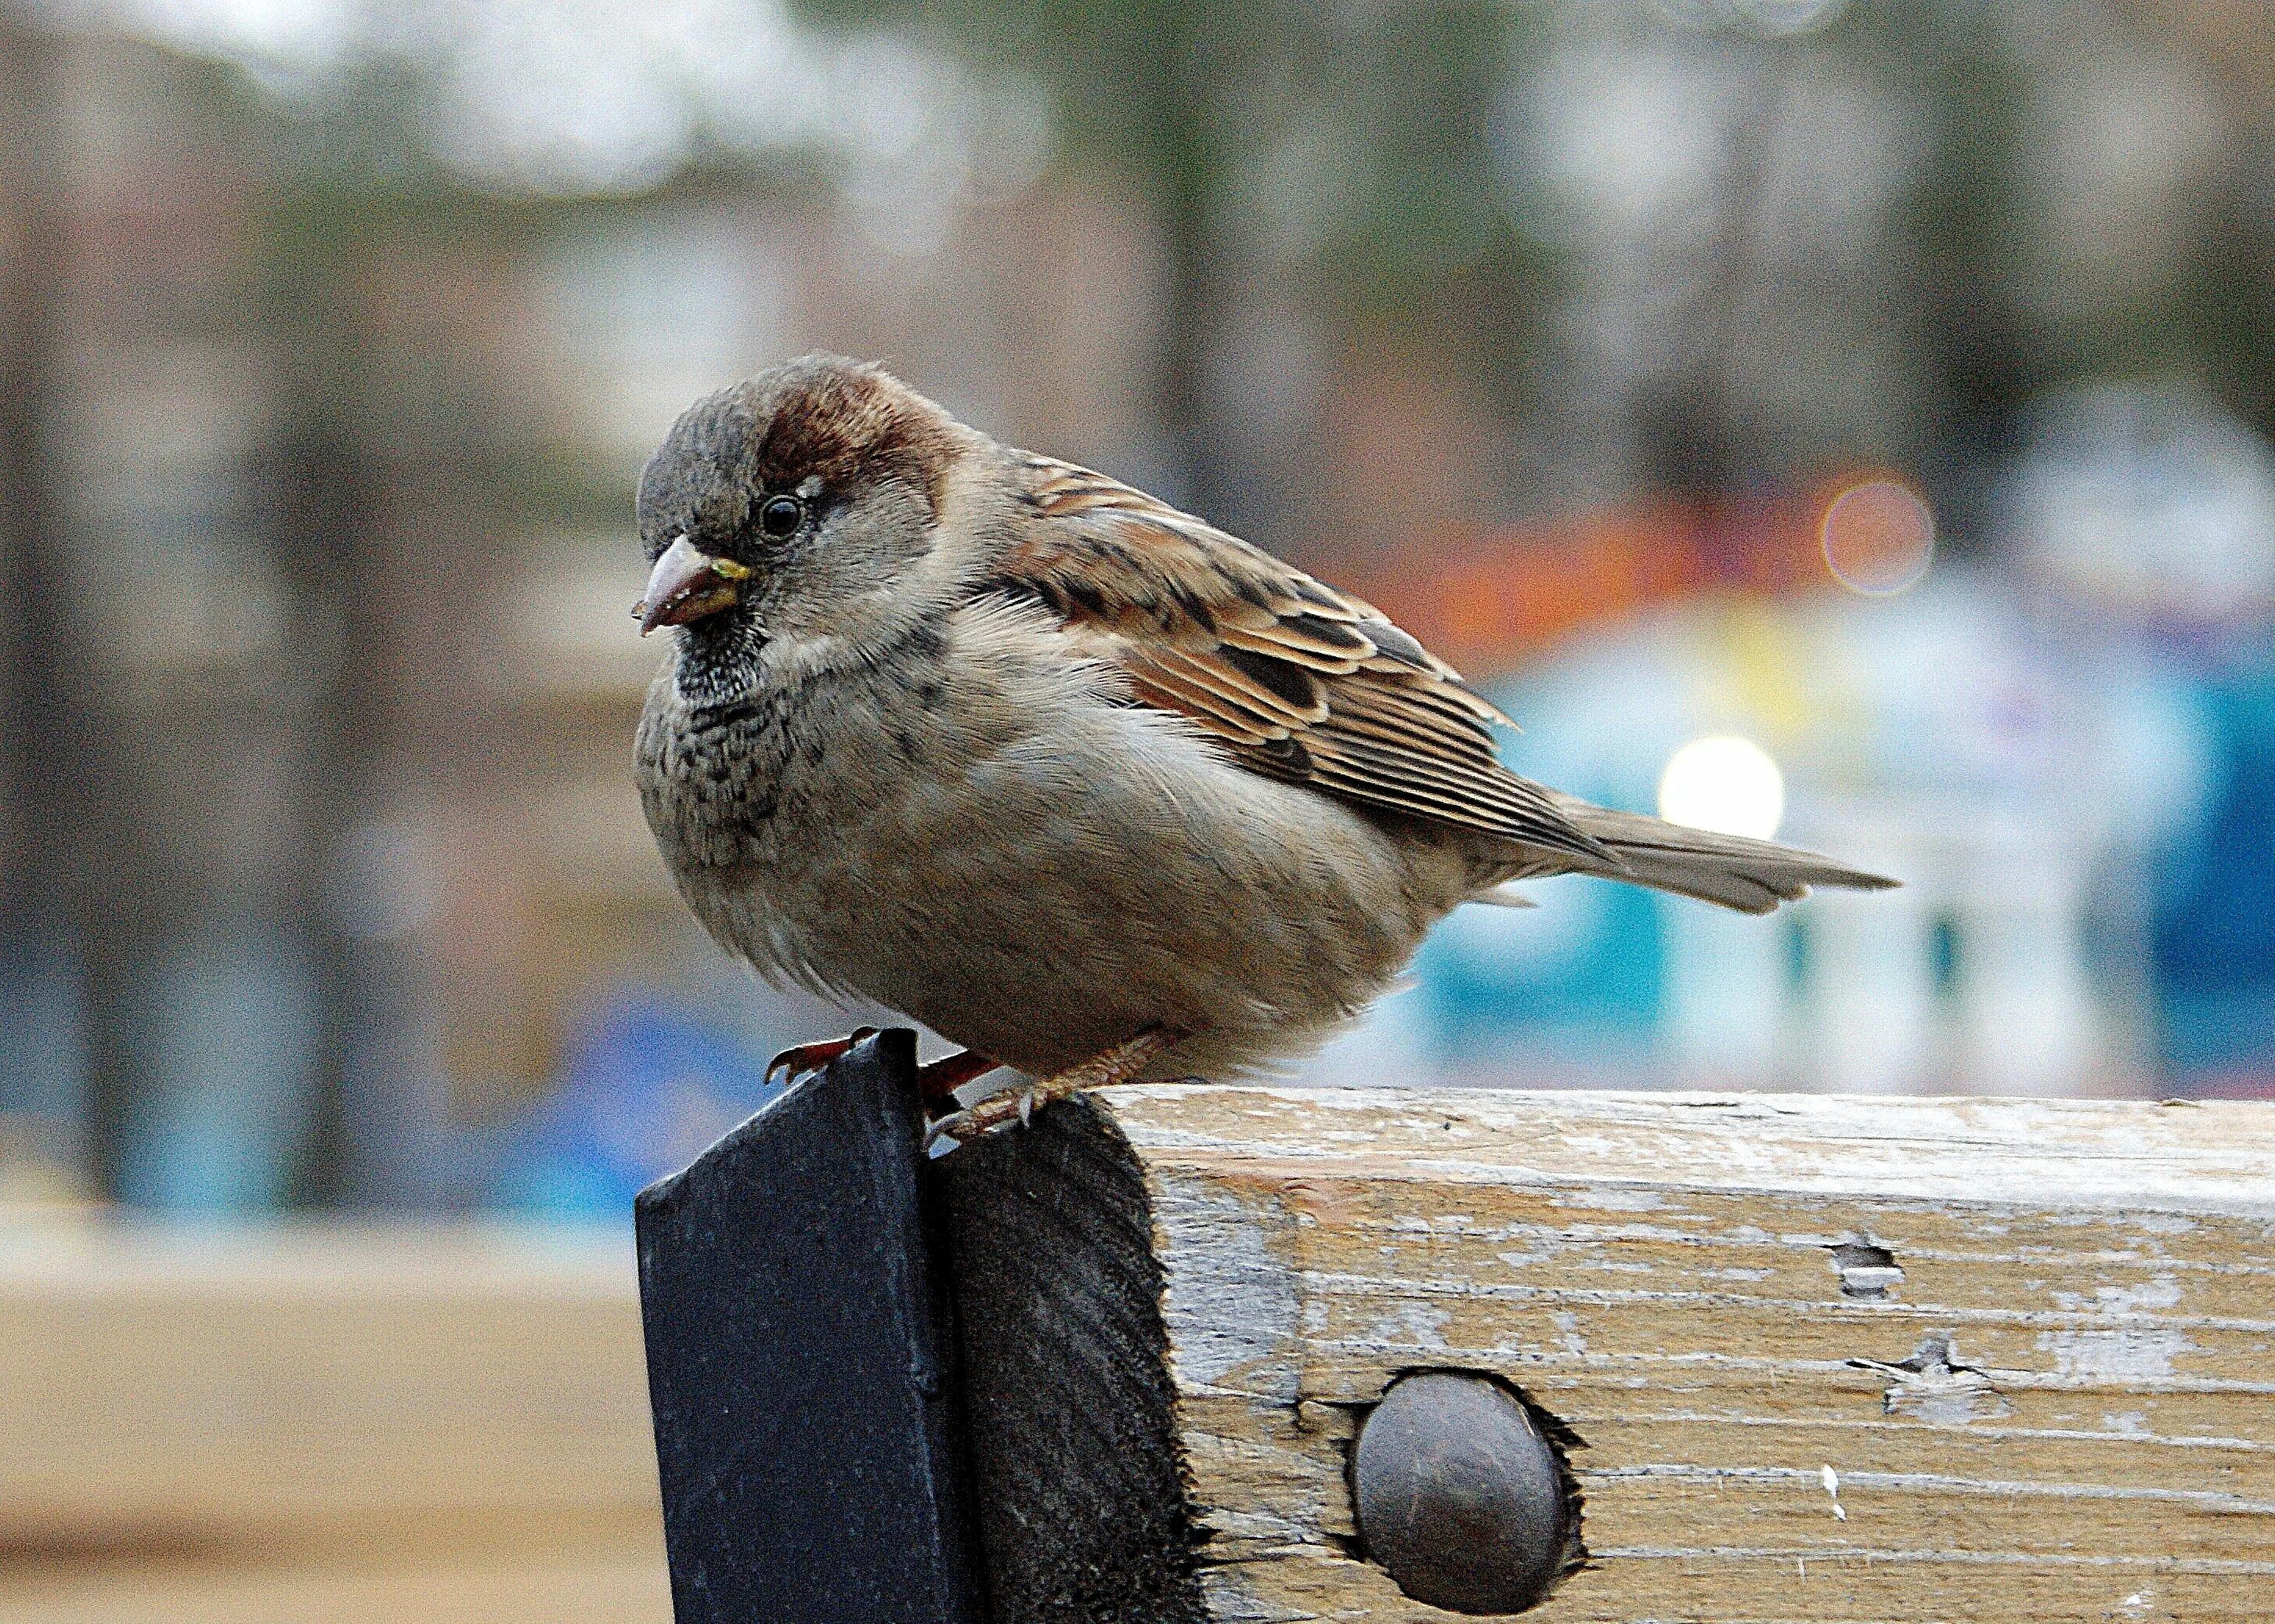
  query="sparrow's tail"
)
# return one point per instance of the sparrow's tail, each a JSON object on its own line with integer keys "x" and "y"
{"x": 1752, "y": 876}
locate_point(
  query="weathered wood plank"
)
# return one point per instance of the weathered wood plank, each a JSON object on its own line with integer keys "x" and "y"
{"x": 2054, "y": 1399}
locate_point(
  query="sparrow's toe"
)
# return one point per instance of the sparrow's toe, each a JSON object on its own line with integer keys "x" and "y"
{"x": 793, "y": 1063}
{"x": 956, "y": 1125}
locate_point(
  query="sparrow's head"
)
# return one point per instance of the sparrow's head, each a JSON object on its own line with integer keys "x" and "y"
{"x": 793, "y": 504}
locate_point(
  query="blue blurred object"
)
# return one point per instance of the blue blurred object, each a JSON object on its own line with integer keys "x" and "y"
{"x": 647, "y": 1086}
{"x": 235, "y": 1042}
{"x": 43, "y": 1040}
{"x": 1571, "y": 986}
{"x": 2022, "y": 772}
{"x": 2214, "y": 952}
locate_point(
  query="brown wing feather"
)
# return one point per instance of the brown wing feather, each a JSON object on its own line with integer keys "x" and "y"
{"x": 1298, "y": 680}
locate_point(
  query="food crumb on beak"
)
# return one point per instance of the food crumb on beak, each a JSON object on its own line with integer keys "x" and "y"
{"x": 686, "y": 585}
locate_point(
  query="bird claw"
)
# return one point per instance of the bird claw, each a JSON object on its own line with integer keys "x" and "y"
{"x": 956, "y": 1125}
{"x": 802, "y": 1058}
{"x": 993, "y": 1115}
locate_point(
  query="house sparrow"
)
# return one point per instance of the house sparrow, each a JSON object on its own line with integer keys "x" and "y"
{"x": 1073, "y": 778}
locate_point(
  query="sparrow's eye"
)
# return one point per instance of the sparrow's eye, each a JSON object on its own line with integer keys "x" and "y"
{"x": 781, "y": 515}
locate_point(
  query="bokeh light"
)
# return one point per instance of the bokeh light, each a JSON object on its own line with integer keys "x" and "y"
{"x": 1725, "y": 783}
{"x": 1878, "y": 536}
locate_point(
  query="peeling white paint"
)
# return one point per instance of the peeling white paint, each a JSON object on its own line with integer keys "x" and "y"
{"x": 2162, "y": 1223}
{"x": 1568, "y": 1325}
{"x": 1960, "y": 1399}
{"x": 1525, "y": 1260}
{"x": 1613, "y": 1199}
{"x": 1411, "y": 1325}
{"x": 2142, "y": 1353}
{"x": 1230, "y": 1600}
{"x": 1229, "y": 1301}
{"x": 1491, "y": 1252}
{"x": 2162, "y": 1292}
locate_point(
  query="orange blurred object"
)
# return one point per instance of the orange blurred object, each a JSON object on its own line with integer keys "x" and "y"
{"x": 1878, "y": 536}
{"x": 1490, "y": 600}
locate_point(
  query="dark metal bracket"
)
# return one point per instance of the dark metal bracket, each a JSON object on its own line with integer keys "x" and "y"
{"x": 799, "y": 1364}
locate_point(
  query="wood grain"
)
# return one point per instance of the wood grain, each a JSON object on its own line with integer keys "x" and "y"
{"x": 1058, "y": 1300}
{"x": 2063, "y": 1409}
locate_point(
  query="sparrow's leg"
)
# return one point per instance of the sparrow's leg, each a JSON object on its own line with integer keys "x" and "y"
{"x": 794, "y": 1063}
{"x": 941, "y": 1078}
{"x": 1125, "y": 1061}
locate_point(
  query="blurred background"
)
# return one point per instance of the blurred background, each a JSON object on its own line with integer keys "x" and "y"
{"x": 1845, "y": 420}
{"x": 1880, "y": 391}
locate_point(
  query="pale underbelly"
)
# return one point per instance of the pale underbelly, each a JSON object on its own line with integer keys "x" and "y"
{"x": 1040, "y": 914}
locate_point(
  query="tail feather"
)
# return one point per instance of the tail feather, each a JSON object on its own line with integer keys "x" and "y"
{"x": 1752, "y": 876}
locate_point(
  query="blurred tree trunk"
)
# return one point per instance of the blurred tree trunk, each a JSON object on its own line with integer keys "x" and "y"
{"x": 321, "y": 535}
{"x": 49, "y": 907}
{"x": 325, "y": 521}
{"x": 30, "y": 281}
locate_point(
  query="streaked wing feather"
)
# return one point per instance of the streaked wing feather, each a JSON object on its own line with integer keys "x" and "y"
{"x": 1298, "y": 680}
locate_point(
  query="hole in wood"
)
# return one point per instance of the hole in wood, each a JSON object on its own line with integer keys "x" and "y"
{"x": 1936, "y": 1385}
{"x": 1464, "y": 1495}
{"x": 1868, "y": 1270}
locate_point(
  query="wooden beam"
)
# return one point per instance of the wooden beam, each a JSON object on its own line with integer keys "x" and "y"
{"x": 1819, "y": 1358}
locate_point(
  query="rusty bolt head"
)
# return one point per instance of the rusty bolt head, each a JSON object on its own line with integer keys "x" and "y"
{"x": 1459, "y": 1496}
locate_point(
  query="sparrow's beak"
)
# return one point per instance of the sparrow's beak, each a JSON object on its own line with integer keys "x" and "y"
{"x": 687, "y": 584}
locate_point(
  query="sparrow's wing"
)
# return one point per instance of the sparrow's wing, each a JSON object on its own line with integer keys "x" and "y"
{"x": 1298, "y": 680}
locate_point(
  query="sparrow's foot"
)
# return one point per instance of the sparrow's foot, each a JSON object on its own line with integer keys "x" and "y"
{"x": 1118, "y": 1064}
{"x": 791, "y": 1064}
